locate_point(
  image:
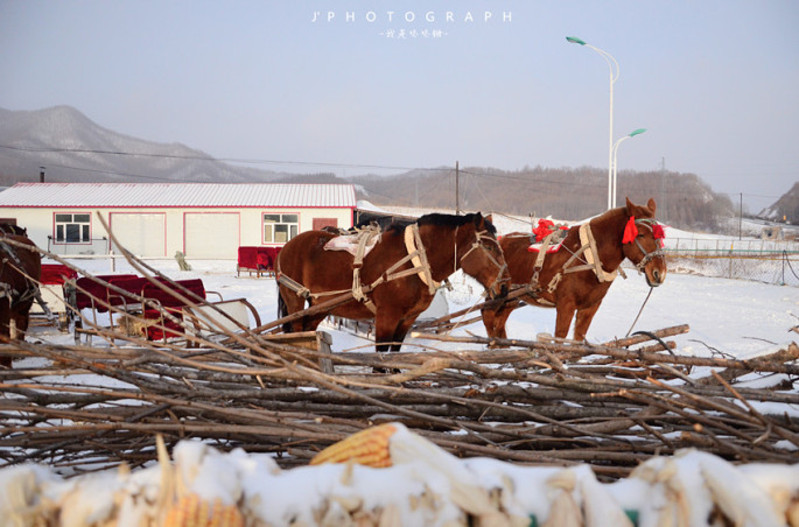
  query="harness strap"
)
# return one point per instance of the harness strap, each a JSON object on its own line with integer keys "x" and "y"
{"x": 539, "y": 259}
{"x": 7, "y": 292}
{"x": 295, "y": 286}
{"x": 357, "y": 288}
{"x": 415, "y": 248}
{"x": 588, "y": 249}
{"x": 32, "y": 292}
{"x": 592, "y": 256}
{"x": 417, "y": 257}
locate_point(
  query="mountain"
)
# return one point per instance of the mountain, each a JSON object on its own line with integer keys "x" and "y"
{"x": 785, "y": 209}
{"x": 72, "y": 148}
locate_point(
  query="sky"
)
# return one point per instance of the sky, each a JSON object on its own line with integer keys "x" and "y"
{"x": 351, "y": 87}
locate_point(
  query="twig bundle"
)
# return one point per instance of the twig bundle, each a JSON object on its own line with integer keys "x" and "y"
{"x": 521, "y": 401}
{"x": 544, "y": 401}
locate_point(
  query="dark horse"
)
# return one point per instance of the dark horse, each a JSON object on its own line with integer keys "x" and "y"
{"x": 396, "y": 280}
{"x": 576, "y": 277}
{"x": 20, "y": 271}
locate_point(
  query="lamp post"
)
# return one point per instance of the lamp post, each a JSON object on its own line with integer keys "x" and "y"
{"x": 635, "y": 132}
{"x": 613, "y": 66}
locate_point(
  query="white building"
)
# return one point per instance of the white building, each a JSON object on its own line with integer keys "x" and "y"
{"x": 201, "y": 220}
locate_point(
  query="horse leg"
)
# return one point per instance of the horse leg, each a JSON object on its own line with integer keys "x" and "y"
{"x": 289, "y": 303}
{"x": 5, "y": 319}
{"x": 583, "y": 321}
{"x": 399, "y": 334}
{"x": 387, "y": 331}
{"x": 494, "y": 320}
{"x": 22, "y": 319}
{"x": 489, "y": 317}
{"x": 563, "y": 319}
{"x": 385, "y": 328}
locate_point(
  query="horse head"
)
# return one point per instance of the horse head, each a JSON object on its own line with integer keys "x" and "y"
{"x": 479, "y": 255}
{"x": 642, "y": 241}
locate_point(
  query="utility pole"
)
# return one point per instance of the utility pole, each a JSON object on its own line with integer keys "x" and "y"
{"x": 457, "y": 194}
{"x": 662, "y": 205}
{"x": 740, "y": 215}
{"x": 41, "y": 174}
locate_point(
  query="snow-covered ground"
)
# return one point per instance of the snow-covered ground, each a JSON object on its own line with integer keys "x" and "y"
{"x": 737, "y": 317}
{"x": 427, "y": 486}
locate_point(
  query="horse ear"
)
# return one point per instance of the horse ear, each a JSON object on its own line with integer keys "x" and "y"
{"x": 651, "y": 205}
{"x": 489, "y": 218}
{"x": 629, "y": 206}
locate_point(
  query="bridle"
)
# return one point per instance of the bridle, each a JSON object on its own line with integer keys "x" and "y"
{"x": 479, "y": 237}
{"x": 649, "y": 223}
{"x": 6, "y": 291}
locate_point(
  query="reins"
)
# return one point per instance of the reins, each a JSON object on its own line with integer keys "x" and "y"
{"x": 639, "y": 312}
{"x": 479, "y": 236}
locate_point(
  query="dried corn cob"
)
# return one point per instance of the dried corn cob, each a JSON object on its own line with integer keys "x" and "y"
{"x": 193, "y": 511}
{"x": 368, "y": 447}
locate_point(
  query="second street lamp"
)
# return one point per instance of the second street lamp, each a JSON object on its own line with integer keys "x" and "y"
{"x": 614, "y": 74}
{"x": 615, "y": 151}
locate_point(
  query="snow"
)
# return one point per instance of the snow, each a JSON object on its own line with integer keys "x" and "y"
{"x": 738, "y": 318}
{"x": 425, "y": 486}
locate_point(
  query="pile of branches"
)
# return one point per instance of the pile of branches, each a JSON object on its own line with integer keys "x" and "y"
{"x": 534, "y": 402}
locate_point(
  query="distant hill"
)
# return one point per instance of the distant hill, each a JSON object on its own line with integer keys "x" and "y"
{"x": 564, "y": 193}
{"x": 75, "y": 149}
{"x": 785, "y": 209}
{"x": 72, "y": 148}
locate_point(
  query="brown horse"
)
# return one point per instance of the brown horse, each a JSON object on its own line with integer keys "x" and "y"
{"x": 576, "y": 277}
{"x": 396, "y": 280}
{"x": 20, "y": 270}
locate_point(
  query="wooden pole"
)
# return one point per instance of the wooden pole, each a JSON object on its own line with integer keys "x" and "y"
{"x": 457, "y": 193}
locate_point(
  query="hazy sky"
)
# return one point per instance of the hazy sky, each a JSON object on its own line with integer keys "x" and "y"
{"x": 420, "y": 84}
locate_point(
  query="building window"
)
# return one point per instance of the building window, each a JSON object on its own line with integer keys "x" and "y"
{"x": 280, "y": 228}
{"x": 73, "y": 228}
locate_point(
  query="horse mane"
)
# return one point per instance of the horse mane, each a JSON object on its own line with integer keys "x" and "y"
{"x": 616, "y": 212}
{"x": 451, "y": 220}
{"x": 444, "y": 220}
{"x": 610, "y": 213}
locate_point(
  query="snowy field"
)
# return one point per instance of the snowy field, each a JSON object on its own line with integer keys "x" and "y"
{"x": 427, "y": 486}
{"x": 740, "y": 318}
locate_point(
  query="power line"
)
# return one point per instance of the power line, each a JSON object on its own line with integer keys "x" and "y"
{"x": 52, "y": 150}
{"x": 207, "y": 158}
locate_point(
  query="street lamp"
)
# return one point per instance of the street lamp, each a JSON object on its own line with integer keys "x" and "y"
{"x": 613, "y": 66}
{"x": 635, "y": 132}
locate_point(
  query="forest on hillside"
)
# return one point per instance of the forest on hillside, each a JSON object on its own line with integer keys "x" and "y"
{"x": 683, "y": 200}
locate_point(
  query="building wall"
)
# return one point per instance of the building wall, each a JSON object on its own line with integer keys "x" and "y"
{"x": 40, "y": 225}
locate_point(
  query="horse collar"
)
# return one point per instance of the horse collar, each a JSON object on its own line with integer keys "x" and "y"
{"x": 592, "y": 255}
{"x": 416, "y": 251}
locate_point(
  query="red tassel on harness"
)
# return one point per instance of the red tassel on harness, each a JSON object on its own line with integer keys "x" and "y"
{"x": 545, "y": 227}
{"x": 630, "y": 231}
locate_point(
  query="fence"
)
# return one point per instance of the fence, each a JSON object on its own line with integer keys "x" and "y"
{"x": 768, "y": 261}
{"x": 727, "y": 245}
